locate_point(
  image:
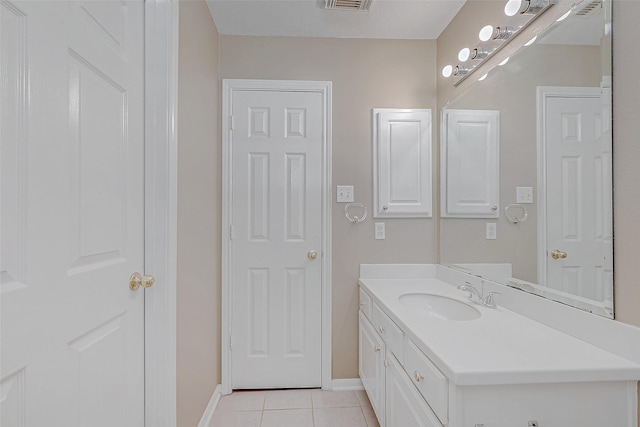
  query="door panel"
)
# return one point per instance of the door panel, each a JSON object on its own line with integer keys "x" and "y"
{"x": 277, "y": 144}
{"x": 578, "y": 162}
{"x": 72, "y": 213}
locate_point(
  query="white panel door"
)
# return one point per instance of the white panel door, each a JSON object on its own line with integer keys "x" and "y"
{"x": 277, "y": 144}
{"x": 470, "y": 163}
{"x": 402, "y": 163}
{"x": 72, "y": 213}
{"x": 578, "y": 195}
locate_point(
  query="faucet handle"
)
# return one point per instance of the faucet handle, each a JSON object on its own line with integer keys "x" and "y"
{"x": 490, "y": 300}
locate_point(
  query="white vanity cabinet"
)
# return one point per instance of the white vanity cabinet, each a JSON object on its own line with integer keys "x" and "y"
{"x": 395, "y": 400}
{"x": 407, "y": 388}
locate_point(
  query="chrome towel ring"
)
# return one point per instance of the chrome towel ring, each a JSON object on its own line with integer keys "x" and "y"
{"x": 354, "y": 218}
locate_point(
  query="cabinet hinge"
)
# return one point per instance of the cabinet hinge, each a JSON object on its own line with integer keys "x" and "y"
{"x": 230, "y": 341}
{"x": 231, "y": 122}
{"x": 386, "y": 363}
{"x": 232, "y": 232}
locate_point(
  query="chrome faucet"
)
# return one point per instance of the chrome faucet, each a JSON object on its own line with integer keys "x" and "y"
{"x": 488, "y": 301}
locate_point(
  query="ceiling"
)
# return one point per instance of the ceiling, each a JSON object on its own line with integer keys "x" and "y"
{"x": 387, "y": 19}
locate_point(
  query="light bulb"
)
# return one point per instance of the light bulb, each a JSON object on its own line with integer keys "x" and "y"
{"x": 485, "y": 33}
{"x": 504, "y": 62}
{"x": 483, "y": 77}
{"x": 447, "y": 71}
{"x": 532, "y": 41}
{"x": 512, "y": 7}
{"x": 563, "y": 17}
{"x": 463, "y": 55}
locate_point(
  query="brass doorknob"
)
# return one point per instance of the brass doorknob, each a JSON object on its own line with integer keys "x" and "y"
{"x": 558, "y": 254}
{"x": 137, "y": 280}
{"x": 312, "y": 255}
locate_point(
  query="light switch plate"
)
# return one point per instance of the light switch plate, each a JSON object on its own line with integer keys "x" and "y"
{"x": 524, "y": 194}
{"x": 344, "y": 194}
{"x": 379, "y": 232}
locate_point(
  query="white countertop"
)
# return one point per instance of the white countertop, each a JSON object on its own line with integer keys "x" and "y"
{"x": 500, "y": 347}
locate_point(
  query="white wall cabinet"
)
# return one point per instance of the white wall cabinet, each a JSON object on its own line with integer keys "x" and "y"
{"x": 402, "y": 163}
{"x": 470, "y": 163}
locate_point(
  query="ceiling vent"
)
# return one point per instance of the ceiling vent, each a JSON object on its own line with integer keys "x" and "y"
{"x": 358, "y": 5}
{"x": 591, "y": 9}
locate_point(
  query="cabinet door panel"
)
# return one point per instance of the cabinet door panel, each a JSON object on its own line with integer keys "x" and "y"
{"x": 404, "y": 406}
{"x": 371, "y": 366}
{"x": 402, "y": 163}
{"x": 469, "y": 168}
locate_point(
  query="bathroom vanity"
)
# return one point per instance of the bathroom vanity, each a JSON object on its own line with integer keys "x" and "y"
{"x": 428, "y": 356}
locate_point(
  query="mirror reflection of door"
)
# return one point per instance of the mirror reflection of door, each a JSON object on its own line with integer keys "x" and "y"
{"x": 576, "y": 246}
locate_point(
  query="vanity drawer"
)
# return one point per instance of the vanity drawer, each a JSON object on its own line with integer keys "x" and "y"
{"x": 365, "y": 304}
{"x": 431, "y": 383}
{"x": 390, "y": 333}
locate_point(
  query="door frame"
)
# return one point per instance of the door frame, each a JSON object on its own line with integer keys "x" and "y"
{"x": 160, "y": 100}
{"x": 543, "y": 93}
{"x": 229, "y": 86}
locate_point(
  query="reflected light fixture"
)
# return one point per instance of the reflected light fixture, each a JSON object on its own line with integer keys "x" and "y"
{"x": 483, "y": 77}
{"x": 464, "y": 54}
{"x": 532, "y": 41}
{"x": 504, "y": 62}
{"x": 447, "y": 71}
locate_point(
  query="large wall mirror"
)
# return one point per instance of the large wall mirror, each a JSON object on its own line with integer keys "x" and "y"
{"x": 553, "y": 100}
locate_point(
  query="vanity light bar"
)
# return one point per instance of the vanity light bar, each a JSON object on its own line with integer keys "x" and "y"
{"x": 520, "y": 14}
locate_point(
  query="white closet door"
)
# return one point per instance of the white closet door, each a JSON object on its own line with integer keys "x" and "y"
{"x": 470, "y": 163}
{"x": 277, "y": 142}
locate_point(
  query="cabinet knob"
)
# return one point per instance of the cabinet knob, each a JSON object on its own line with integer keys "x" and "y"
{"x": 376, "y": 349}
{"x": 385, "y": 207}
{"x": 417, "y": 376}
{"x": 381, "y": 329}
{"x": 361, "y": 303}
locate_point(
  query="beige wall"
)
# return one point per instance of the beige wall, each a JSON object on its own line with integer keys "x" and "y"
{"x": 198, "y": 316}
{"x": 366, "y": 74}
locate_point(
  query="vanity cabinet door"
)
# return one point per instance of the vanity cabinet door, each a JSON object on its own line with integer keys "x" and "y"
{"x": 404, "y": 407}
{"x": 371, "y": 354}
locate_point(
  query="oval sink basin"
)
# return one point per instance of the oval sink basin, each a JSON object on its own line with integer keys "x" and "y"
{"x": 439, "y": 307}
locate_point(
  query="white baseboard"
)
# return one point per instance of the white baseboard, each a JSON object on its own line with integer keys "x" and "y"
{"x": 347, "y": 384}
{"x": 205, "y": 421}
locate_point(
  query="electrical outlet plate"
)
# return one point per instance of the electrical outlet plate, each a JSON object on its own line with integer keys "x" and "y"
{"x": 344, "y": 194}
{"x": 379, "y": 231}
{"x": 491, "y": 232}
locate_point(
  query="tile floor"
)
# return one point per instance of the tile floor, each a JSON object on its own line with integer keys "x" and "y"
{"x": 295, "y": 408}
